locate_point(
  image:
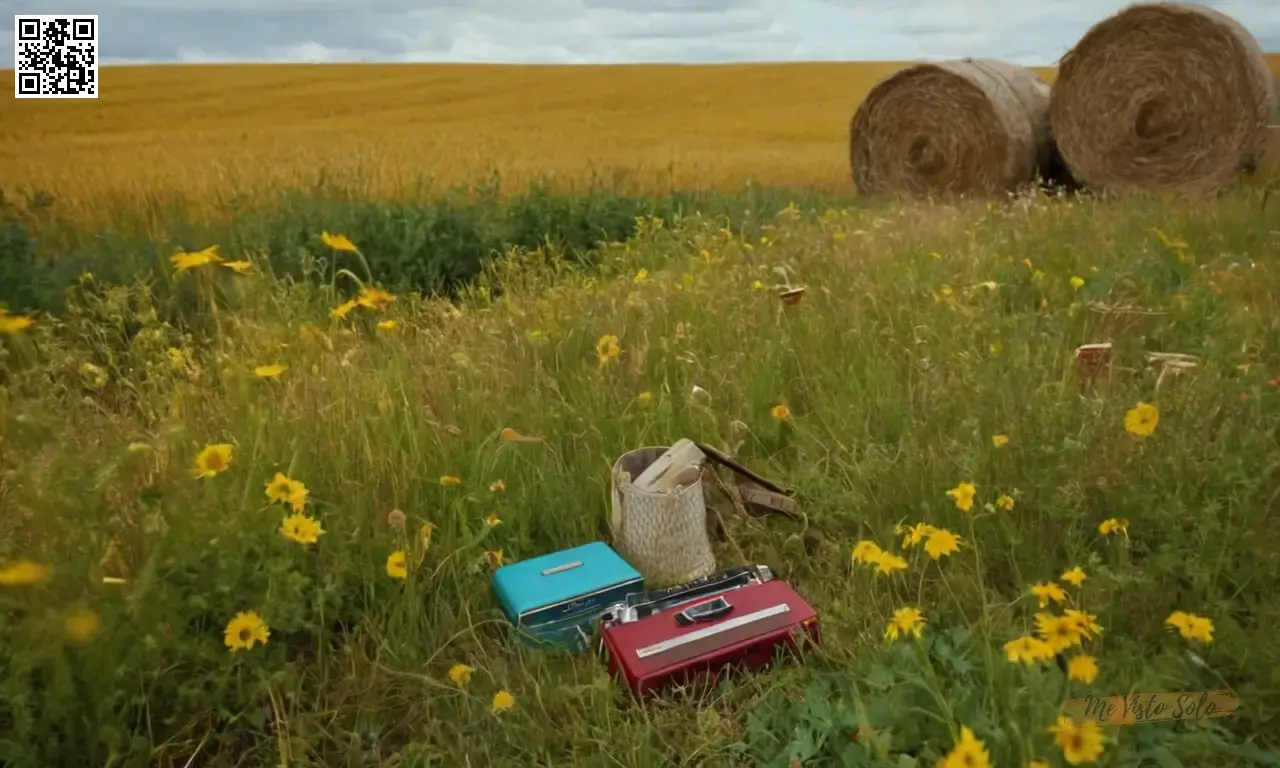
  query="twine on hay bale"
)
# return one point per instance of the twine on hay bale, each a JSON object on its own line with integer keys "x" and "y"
{"x": 973, "y": 127}
{"x": 1163, "y": 97}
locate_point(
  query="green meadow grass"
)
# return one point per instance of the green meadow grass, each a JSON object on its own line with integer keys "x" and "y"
{"x": 924, "y": 332}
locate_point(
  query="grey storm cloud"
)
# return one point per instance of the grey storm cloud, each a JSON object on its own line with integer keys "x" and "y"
{"x": 599, "y": 31}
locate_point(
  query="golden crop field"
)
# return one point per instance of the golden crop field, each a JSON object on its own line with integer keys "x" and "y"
{"x": 212, "y": 132}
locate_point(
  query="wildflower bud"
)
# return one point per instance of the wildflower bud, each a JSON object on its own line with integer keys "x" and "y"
{"x": 396, "y": 519}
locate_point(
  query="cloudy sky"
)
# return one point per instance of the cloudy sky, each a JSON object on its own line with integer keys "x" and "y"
{"x": 597, "y": 31}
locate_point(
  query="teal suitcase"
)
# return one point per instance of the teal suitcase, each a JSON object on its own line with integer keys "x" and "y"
{"x": 556, "y": 600}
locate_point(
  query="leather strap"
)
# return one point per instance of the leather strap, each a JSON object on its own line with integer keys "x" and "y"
{"x": 748, "y": 491}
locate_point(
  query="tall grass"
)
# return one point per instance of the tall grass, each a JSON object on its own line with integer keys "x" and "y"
{"x": 924, "y": 333}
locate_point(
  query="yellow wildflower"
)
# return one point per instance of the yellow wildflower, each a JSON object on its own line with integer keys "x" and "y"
{"x": 460, "y": 674}
{"x": 1060, "y": 632}
{"x": 387, "y": 325}
{"x": 1077, "y": 282}
{"x": 24, "y": 573}
{"x": 374, "y": 298}
{"x": 905, "y": 621}
{"x": 999, "y": 441}
{"x": 1075, "y": 577}
{"x": 244, "y": 630}
{"x": 1086, "y": 623}
{"x": 644, "y": 398}
{"x": 182, "y": 260}
{"x": 1083, "y": 668}
{"x": 509, "y": 435}
{"x": 1141, "y": 420}
{"x": 780, "y": 412}
{"x": 915, "y": 534}
{"x": 607, "y": 349}
{"x": 1191, "y": 626}
{"x": 301, "y": 528}
{"x": 1046, "y": 592}
{"x": 1080, "y": 743}
{"x": 969, "y": 752}
{"x": 1005, "y": 502}
{"x": 887, "y": 562}
{"x": 397, "y": 566}
{"x": 286, "y": 490}
{"x": 269, "y": 371}
{"x": 343, "y": 309}
{"x": 213, "y": 459}
{"x": 641, "y": 276}
{"x": 450, "y": 480}
{"x": 11, "y": 324}
{"x": 963, "y": 495}
{"x": 502, "y": 701}
{"x": 497, "y": 486}
{"x": 492, "y": 521}
{"x": 1114, "y": 525}
{"x": 493, "y": 558}
{"x": 865, "y": 551}
{"x": 338, "y": 242}
{"x": 1028, "y": 649}
{"x": 941, "y": 543}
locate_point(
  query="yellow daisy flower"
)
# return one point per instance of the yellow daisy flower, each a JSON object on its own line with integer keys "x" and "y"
{"x": 301, "y": 528}
{"x": 460, "y": 674}
{"x": 1083, "y": 668}
{"x": 1028, "y": 649}
{"x": 286, "y": 490}
{"x": 24, "y": 573}
{"x": 905, "y": 621}
{"x": 397, "y": 566}
{"x": 1046, "y": 592}
{"x": 1075, "y": 577}
{"x": 865, "y": 551}
{"x": 963, "y": 495}
{"x": 969, "y": 752}
{"x": 338, "y": 242}
{"x": 502, "y": 701}
{"x": 1079, "y": 743}
{"x": 244, "y": 630}
{"x": 213, "y": 460}
{"x": 1141, "y": 420}
{"x": 942, "y": 543}
{"x": 1191, "y": 626}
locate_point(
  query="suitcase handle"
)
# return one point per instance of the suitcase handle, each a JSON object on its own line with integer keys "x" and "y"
{"x": 708, "y": 611}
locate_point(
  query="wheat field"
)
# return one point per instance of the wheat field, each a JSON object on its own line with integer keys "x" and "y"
{"x": 217, "y": 132}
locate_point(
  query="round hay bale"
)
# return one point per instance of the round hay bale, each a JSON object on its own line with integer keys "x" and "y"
{"x": 1163, "y": 97}
{"x": 973, "y": 127}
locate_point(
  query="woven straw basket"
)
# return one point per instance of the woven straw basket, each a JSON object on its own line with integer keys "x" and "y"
{"x": 664, "y": 535}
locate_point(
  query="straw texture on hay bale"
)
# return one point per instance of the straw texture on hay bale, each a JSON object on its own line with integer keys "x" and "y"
{"x": 1163, "y": 97}
{"x": 973, "y": 127}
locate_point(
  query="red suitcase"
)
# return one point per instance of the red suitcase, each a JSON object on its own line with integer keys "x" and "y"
{"x": 745, "y": 625}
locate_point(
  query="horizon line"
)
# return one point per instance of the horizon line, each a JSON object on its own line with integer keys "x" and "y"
{"x": 547, "y": 64}
{"x": 769, "y": 63}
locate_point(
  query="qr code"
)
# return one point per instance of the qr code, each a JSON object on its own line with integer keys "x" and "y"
{"x": 55, "y": 57}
